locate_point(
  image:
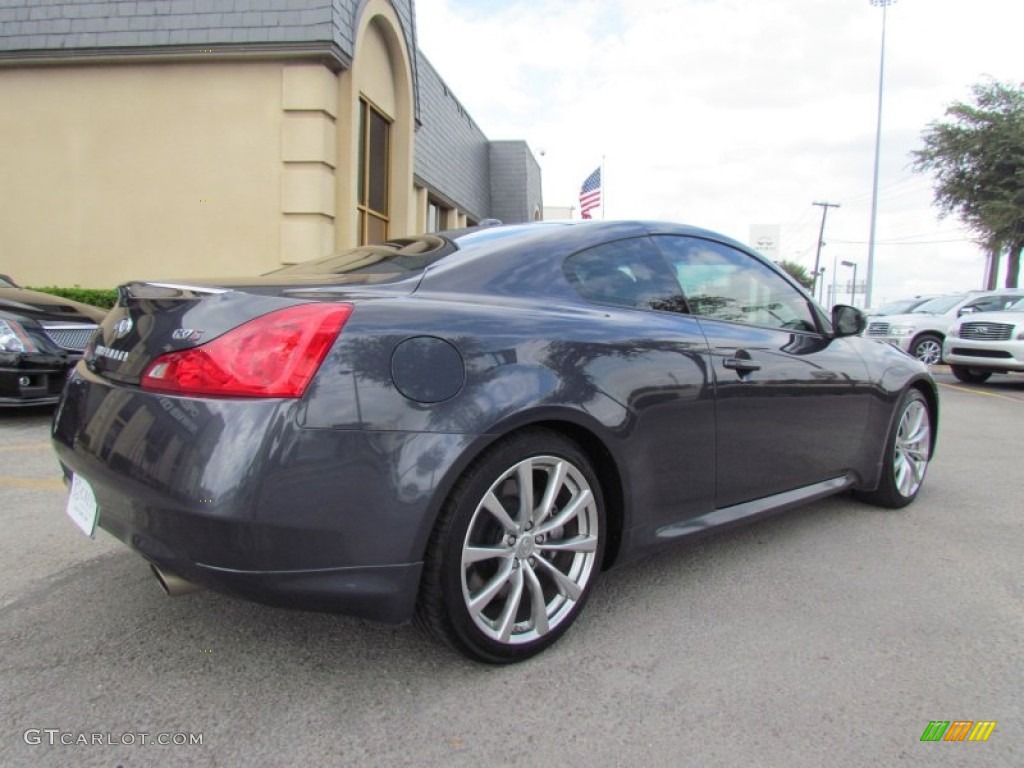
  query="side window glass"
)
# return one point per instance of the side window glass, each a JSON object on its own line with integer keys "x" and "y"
{"x": 988, "y": 304}
{"x": 722, "y": 283}
{"x": 627, "y": 273}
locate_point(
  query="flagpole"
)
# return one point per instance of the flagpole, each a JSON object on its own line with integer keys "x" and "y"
{"x": 604, "y": 191}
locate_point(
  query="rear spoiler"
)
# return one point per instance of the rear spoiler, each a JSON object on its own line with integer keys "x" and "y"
{"x": 147, "y": 290}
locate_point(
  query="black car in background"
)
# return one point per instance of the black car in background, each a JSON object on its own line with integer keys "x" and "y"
{"x": 467, "y": 427}
{"x": 41, "y": 338}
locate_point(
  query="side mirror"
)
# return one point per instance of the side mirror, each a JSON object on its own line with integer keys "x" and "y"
{"x": 847, "y": 320}
{"x": 966, "y": 311}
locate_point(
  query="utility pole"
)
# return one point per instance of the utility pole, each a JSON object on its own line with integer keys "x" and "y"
{"x": 821, "y": 242}
{"x": 884, "y": 4}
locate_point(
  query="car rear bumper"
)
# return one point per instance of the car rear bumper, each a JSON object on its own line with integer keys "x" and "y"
{"x": 235, "y": 496}
{"x": 166, "y": 537}
{"x": 383, "y": 593}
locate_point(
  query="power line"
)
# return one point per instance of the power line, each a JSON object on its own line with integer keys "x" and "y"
{"x": 897, "y": 242}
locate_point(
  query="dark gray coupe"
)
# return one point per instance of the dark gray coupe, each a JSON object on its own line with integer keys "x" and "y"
{"x": 467, "y": 427}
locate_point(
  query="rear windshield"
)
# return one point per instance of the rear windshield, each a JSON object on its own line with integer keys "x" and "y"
{"x": 393, "y": 260}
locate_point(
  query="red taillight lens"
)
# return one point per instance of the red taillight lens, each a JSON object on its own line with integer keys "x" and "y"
{"x": 275, "y": 355}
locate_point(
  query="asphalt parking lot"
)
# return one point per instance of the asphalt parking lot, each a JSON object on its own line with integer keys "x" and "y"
{"x": 828, "y": 636}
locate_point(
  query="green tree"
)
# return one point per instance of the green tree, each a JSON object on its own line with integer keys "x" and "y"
{"x": 977, "y": 158}
{"x": 798, "y": 272}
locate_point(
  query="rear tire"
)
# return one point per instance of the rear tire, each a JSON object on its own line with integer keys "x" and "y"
{"x": 516, "y": 549}
{"x": 907, "y": 453}
{"x": 970, "y": 375}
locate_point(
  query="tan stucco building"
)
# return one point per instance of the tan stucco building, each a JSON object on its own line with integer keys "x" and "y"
{"x": 193, "y": 139}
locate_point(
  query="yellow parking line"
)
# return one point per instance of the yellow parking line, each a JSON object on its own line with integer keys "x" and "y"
{"x": 25, "y": 447}
{"x": 33, "y": 483}
{"x": 980, "y": 392}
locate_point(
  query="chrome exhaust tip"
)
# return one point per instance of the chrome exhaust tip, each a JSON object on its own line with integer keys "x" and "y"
{"x": 172, "y": 583}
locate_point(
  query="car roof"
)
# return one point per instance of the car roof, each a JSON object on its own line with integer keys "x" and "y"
{"x": 570, "y": 236}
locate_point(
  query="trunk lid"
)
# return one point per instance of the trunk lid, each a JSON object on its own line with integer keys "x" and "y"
{"x": 152, "y": 318}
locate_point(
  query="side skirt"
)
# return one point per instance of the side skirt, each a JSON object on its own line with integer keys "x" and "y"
{"x": 748, "y": 509}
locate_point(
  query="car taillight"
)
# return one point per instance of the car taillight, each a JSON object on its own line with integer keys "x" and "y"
{"x": 275, "y": 355}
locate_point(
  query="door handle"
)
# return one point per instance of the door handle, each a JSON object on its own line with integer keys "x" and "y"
{"x": 740, "y": 364}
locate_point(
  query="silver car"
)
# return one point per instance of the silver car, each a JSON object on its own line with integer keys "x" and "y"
{"x": 921, "y": 332}
{"x": 984, "y": 343}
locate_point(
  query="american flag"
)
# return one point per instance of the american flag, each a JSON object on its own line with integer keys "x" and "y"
{"x": 590, "y": 193}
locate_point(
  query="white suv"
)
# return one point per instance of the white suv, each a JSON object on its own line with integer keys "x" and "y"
{"x": 979, "y": 345}
{"x": 921, "y": 333}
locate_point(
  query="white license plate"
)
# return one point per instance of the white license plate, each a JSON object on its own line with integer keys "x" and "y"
{"x": 82, "y": 508}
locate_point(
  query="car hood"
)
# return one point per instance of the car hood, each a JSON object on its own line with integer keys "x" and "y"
{"x": 44, "y": 306}
{"x": 1004, "y": 317}
{"x": 906, "y": 318}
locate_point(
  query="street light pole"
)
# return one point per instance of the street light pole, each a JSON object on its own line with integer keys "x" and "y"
{"x": 821, "y": 241}
{"x": 853, "y": 285}
{"x": 878, "y": 144}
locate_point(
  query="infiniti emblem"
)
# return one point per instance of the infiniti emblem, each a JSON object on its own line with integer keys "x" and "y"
{"x": 123, "y": 327}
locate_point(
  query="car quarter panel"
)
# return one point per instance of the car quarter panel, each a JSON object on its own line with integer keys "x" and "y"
{"x": 637, "y": 380}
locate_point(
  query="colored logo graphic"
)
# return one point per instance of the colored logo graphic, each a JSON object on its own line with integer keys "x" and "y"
{"x": 958, "y": 730}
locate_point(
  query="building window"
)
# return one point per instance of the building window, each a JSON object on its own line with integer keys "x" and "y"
{"x": 374, "y": 140}
{"x": 437, "y": 216}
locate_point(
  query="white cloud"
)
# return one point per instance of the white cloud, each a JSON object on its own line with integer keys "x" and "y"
{"x": 727, "y": 113}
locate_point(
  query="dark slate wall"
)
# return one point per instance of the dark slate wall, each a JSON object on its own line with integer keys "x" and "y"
{"x": 515, "y": 182}
{"x": 345, "y": 24}
{"x": 452, "y": 153}
{"x": 37, "y": 25}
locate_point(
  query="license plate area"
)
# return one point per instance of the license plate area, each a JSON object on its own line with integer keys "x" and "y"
{"x": 82, "y": 507}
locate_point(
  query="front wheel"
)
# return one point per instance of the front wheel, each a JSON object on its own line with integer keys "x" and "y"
{"x": 907, "y": 453}
{"x": 970, "y": 375}
{"x": 928, "y": 349}
{"x": 516, "y": 549}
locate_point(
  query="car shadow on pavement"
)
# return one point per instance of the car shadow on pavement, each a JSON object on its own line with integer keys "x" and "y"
{"x": 113, "y": 606}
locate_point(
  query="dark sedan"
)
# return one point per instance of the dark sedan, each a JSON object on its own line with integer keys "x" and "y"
{"x": 466, "y": 428}
{"x": 41, "y": 338}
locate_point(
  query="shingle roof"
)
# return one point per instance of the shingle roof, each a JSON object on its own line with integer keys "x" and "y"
{"x": 30, "y": 28}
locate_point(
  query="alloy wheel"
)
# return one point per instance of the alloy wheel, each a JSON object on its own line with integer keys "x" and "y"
{"x": 530, "y": 550}
{"x": 929, "y": 352}
{"x": 912, "y": 448}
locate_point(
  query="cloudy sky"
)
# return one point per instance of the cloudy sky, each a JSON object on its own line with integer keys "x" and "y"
{"x": 732, "y": 113}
